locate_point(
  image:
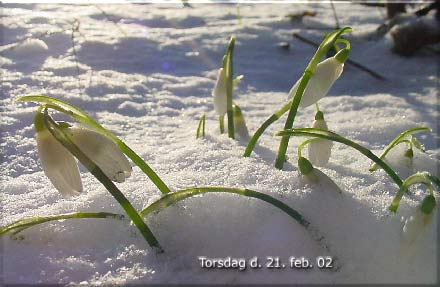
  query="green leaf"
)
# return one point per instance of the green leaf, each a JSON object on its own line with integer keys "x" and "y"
{"x": 25, "y": 223}
{"x": 201, "y": 127}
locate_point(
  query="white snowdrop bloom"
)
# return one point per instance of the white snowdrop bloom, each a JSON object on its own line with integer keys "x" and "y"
{"x": 319, "y": 150}
{"x": 415, "y": 224}
{"x": 219, "y": 93}
{"x": 103, "y": 152}
{"x": 311, "y": 175}
{"x": 58, "y": 164}
{"x": 240, "y": 124}
{"x": 327, "y": 72}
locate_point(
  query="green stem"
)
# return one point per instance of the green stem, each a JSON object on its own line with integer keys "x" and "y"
{"x": 273, "y": 118}
{"x": 180, "y": 195}
{"x": 419, "y": 177}
{"x": 396, "y": 141}
{"x": 25, "y": 223}
{"x": 317, "y": 107}
{"x": 201, "y": 127}
{"x": 227, "y": 66}
{"x": 281, "y": 156}
{"x": 310, "y": 132}
{"x": 303, "y": 144}
{"x": 221, "y": 120}
{"x": 65, "y": 140}
{"x": 81, "y": 116}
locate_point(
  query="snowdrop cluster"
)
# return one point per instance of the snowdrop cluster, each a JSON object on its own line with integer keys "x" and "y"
{"x": 103, "y": 153}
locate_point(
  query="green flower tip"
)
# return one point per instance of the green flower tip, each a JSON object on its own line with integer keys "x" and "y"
{"x": 39, "y": 121}
{"x": 409, "y": 153}
{"x": 428, "y": 204}
{"x": 237, "y": 111}
{"x": 305, "y": 167}
{"x": 393, "y": 207}
{"x": 319, "y": 116}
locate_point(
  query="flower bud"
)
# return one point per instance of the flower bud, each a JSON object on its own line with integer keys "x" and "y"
{"x": 416, "y": 223}
{"x": 319, "y": 150}
{"x": 219, "y": 93}
{"x": 311, "y": 175}
{"x": 240, "y": 124}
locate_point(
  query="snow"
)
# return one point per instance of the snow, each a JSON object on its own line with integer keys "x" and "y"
{"x": 146, "y": 72}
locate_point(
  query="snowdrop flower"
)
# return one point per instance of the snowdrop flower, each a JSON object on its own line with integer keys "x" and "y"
{"x": 320, "y": 149}
{"x": 58, "y": 163}
{"x": 219, "y": 93}
{"x": 240, "y": 124}
{"x": 416, "y": 223}
{"x": 103, "y": 152}
{"x": 311, "y": 175}
{"x": 327, "y": 72}
{"x": 60, "y": 166}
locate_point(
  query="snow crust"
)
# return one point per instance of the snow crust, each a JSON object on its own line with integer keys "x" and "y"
{"x": 146, "y": 72}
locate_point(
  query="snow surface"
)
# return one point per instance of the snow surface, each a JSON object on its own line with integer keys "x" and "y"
{"x": 146, "y": 72}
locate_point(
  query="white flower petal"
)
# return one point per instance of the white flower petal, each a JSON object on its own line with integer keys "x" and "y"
{"x": 103, "y": 152}
{"x": 319, "y": 151}
{"x": 219, "y": 93}
{"x": 327, "y": 72}
{"x": 414, "y": 226}
{"x": 58, "y": 165}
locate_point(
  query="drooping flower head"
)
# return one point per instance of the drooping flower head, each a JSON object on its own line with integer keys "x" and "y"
{"x": 415, "y": 224}
{"x": 60, "y": 166}
{"x": 319, "y": 150}
{"x": 58, "y": 163}
{"x": 311, "y": 175}
{"x": 327, "y": 72}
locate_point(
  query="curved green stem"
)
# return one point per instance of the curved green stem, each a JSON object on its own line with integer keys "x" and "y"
{"x": 273, "y": 118}
{"x": 172, "y": 198}
{"x": 81, "y": 116}
{"x": 303, "y": 144}
{"x": 420, "y": 177}
{"x": 25, "y": 223}
{"x": 180, "y": 195}
{"x": 66, "y": 141}
{"x": 395, "y": 142}
{"x": 311, "y": 132}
